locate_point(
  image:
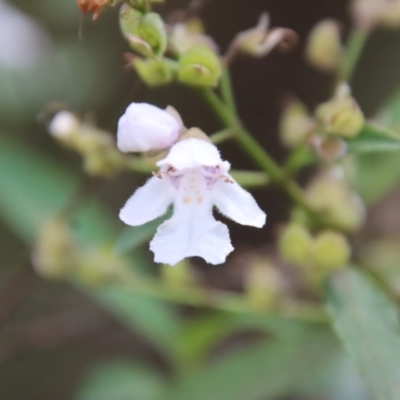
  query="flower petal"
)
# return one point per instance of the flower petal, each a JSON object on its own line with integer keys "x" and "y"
{"x": 147, "y": 203}
{"x": 192, "y": 153}
{"x": 238, "y": 204}
{"x": 193, "y": 234}
{"x": 144, "y": 127}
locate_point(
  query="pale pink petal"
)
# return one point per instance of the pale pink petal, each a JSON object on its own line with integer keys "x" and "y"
{"x": 192, "y": 153}
{"x": 238, "y": 204}
{"x": 147, "y": 203}
{"x": 191, "y": 232}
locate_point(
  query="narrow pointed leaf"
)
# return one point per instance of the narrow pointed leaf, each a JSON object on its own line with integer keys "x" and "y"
{"x": 263, "y": 371}
{"x": 367, "y": 322}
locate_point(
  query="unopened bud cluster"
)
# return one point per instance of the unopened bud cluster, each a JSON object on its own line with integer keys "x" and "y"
{"x": 333, "y": 123}
{"x": 317, "y": 255}
{"x": 166, "y": 54}
{"x": 264, "y": 284}
{"x": 97, "y": 148}
{"x": 331, "y": 195}
{"x": 57, "y": 255}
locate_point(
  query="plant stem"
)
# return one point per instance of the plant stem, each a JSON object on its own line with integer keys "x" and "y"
{"x": 220, "y": 300}
{"x": 142, "y": 165}
{"x": 250, "y": 179}
{"x": 227, "y": 91}
{"x": 222, "y": 136}
{"x": 355, "y": 45}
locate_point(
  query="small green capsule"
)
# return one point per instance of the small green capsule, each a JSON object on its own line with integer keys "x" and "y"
{"x": 324, "y": 49}
{"x": 295, "y": 124}
{"x": 156, "y": 72}
{"x": 341, "y": 115}
{"x": 200, "y": 66}
{"x": 145, "y": 32}
{"x": 331, "y": 250}
{"x": 296, "y": 244}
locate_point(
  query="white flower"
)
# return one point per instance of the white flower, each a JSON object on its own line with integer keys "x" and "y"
{"x": 194, "y": 179}
{"x": 64, "y": 124}
{"x": 145, "y": 127}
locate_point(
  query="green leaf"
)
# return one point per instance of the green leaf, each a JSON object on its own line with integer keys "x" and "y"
{"x": 390, "y": 113}
{"x": 375, "y": 175}
{"x": 33, "y": 188}
{"x": 368, "y": 324}
{"x": 133, "y": 237}
{"x": 200, "y": 334}
{"x": 374, "y": 139}
{"x": 121, "y": 380}
{"x": 262, "y": 371}
{"x": 156, "y": 321}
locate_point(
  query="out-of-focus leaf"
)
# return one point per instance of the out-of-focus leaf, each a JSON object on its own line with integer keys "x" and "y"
{"x": 200, "y": 334}
{"x": 121, "y": 380}
{"x": 390, "y": 113}
{"x": 374, "y": 139}
{"x": 133, "y": 237}
{"x": 375, "y": 175}
{"x": 368, "y": 324}
{"x": 373, "y": 145}
{"x": 33, "y": 188}
{"x": 337, "y": 380}
{"x": 155, "y": 320}
{"x": 263, "y": 371}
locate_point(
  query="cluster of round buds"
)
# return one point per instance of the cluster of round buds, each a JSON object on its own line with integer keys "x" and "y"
{"x": 327, "y": 131}
{"x": 317, "y": 255}
{"x": 97, "y": 147}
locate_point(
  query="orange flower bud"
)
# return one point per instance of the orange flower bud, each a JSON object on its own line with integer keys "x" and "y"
{"x": 92, "y": 6}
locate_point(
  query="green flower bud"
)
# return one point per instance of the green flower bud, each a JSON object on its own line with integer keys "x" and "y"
{"x": 180, "y": 274}
{"x": 295, "y": 245}
{"x": 295, "y": 124}
{"x": 324, "y": 49}
{"x": 101, "y": 266}
{"x": 341, "y": 116}
{"x": 331, "y": 250}
{"x": 56, "y": 254}
{"x": 331, "y": 195}
{"x": 264, "y": 285}
{"x": 145, "y": 32}
{"x": 156, "y": 72}
{"x": 97, "y": 148}
{"x": 185, "y": 36}
{"x": 200, "y": 66}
